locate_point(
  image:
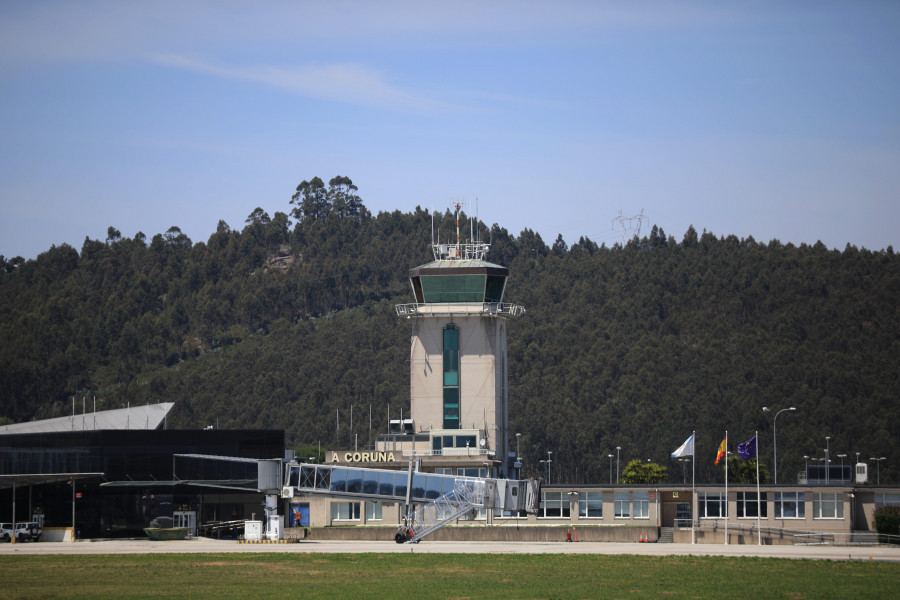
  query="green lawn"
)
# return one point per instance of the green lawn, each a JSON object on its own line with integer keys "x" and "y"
{"x": 428, "y": 576}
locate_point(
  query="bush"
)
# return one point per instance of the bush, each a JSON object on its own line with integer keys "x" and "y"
{"x": 887, "y": 521}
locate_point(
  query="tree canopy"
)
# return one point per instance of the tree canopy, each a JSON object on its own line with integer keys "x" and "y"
{"x": 289, "y": 323}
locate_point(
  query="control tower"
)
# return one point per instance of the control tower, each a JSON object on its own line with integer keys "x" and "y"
{"x": 458, "y": 367}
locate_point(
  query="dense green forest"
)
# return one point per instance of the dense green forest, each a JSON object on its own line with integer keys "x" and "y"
{"x": 289, "y": 321}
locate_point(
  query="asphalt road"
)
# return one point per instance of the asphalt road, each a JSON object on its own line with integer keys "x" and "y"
{"x": 204, "y": 545}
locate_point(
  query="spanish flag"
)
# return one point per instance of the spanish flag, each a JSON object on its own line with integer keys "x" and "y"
{"x": 721, "y": 451}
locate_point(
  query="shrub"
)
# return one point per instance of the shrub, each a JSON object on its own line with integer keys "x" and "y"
{"x": 887, "y": 522}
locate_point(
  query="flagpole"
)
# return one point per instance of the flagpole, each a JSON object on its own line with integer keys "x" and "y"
{"x": 758, "y": 512}
{"x": 693, "y": 487}
{"x": 726, "y": 487}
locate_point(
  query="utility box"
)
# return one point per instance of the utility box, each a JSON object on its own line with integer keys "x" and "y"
{"x": 862, "y": 472}
{"x": 275, "y": 529}
{"x": 253, "y": 530}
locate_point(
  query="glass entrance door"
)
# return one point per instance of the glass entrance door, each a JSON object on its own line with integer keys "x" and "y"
{"x": 186, "y": 518}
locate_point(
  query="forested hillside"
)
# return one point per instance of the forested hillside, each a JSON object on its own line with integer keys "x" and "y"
{"x": 289, "y": 321}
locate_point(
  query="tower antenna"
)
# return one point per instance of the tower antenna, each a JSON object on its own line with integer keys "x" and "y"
{"x": 472, "y": 223}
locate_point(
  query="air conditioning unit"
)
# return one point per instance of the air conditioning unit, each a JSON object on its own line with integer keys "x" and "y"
{"x": 287, "y": 492}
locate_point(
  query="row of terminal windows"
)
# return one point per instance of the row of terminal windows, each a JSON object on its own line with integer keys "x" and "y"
{"x": 462, "y": 472}
{"x": 786, "y": 505}
{"x": 439, "y": 442}
{"x": 636, "y": 505}
{"x": 349, "y": 511}
{"x": 626, "y": 505}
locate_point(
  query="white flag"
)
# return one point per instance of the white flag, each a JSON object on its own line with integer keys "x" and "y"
{"x": 686, "y": 449}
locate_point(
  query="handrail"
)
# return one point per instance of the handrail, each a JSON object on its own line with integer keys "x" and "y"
{"x": 450, "y": 452}
{"x": 804, "y": 537}
{"x": 460, "y": 308}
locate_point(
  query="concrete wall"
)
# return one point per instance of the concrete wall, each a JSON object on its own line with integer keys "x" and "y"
{"x": 453, "y": 533}
{"x": 57, "y": 534}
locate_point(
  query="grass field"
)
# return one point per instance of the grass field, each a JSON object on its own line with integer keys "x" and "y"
{"x": 456, "y": 576}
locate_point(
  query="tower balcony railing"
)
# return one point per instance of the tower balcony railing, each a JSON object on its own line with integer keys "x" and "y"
{"x": 500, "y": 309}
{"x": 455, "y": 452}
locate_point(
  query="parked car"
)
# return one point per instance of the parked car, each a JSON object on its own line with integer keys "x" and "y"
{"x": 28, "y": 530}
{"x": 6, "y": 532}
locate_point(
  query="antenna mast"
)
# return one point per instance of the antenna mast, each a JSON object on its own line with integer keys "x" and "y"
{"x": 471, "y": 250}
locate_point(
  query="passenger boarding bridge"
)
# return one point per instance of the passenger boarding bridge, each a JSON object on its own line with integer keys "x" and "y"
{"x": 440, "y": 498}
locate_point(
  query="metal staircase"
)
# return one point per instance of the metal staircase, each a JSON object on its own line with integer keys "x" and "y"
{"x": 466, "y": 496}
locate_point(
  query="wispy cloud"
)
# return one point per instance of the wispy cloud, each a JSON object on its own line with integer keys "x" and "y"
{"x": 338, "y": 82}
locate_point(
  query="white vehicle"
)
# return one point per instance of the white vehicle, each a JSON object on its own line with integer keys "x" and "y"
{"x": 28, "y": 530}
{"x": 6, "y": 532}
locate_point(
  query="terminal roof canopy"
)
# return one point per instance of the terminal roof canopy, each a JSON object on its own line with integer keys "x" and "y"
{"x": 150, "y": 416}
{"x": 453, "y": 281}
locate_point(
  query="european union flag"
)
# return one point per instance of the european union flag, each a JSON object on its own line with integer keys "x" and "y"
{"x": 747, "y": 450}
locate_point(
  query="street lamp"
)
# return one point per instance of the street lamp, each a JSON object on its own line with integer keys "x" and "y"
{"x": 547, "y": 462}
{"x": 775, "y": 438}
{"x": 518, "y": 457}
{"x": 878, "y": 463}
{"x": 842, "y": 457}
{"x": 684, "y": 462}
{"x": 618, "y": 448}
{"x": 827, "y": 459}
{"x": 610, "y": 468}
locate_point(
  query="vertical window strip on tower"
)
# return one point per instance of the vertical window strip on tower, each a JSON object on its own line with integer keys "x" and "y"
{"x": 451, "y": 377}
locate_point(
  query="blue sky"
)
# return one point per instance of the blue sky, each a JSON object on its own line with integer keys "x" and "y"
{"x": 779, "y": 120}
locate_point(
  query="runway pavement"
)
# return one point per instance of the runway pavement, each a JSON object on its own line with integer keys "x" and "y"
{"x": 205, "y": 545}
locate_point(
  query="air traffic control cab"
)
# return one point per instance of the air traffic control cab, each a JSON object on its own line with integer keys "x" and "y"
{"x": 458, "y": 361}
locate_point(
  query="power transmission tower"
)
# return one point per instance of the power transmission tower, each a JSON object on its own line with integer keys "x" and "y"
{"x": 630, "y": 226}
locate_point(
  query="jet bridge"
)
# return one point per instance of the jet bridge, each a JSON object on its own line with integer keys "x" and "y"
{"x": 432, "y": 500}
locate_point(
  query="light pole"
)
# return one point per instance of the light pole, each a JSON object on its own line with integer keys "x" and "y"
{"x": 842, "y": 457}
{"x": 878, "y": 463}
{"x": 518, "y": 458}
{"x": 684, "y": 462}
{"x": 827, "y": 458}
{"x": 547, "y": 462}
{"x": 775, "y": 438}
{"x": 618, "y": 448}
{"x": 610, "y": 468}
